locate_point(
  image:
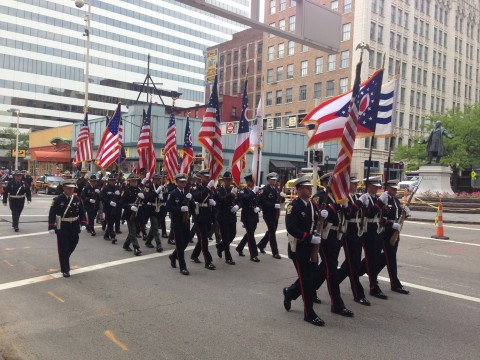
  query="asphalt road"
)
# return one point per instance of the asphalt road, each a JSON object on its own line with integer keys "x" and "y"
{"x": 117, "y": 306}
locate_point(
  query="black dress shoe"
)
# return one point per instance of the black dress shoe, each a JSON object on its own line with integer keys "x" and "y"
{"x": 255, "y": 259}
{"x": 114, "y": 241}
{"x": 171, "y": 242}
{"x": 401, "y": 290}
{"x": 363, "y": 301}
{"x": 184, "y": 272}
{"x": 144, "y": 237}
{"x": 316, "y": 321}
{"x": 379, "y": 294}
{"x": 164, "y": 235}
{"x": 230, "y": 262}
{"x": 196, "y": 260}
{"x": 137, "y": 252}
{"x": 240, "y": 253}
{"x": 173, "y": 261}
{"x": 219, "y": 250}
{"x": 127, "y": 248}
{"x": 149, "y": 245}
{"x": 262, "y": 249}
{"x": 93, "y": 233}
{"x": 160, "y": 249}
{"x": 276, "y": 256}
{"x": 106, "y": 238}
{"x": 16, "y": 230}
{"x": 344, "y": 312}
{"x": 210, "y": 266}
{"x": 316, "y": 300}
{"x": 66, "y": 274}
{"x": 139, "y": 236}
{"x": 287, "y": 303}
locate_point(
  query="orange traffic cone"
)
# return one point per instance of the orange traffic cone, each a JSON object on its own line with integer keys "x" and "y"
{"x": 440, "y": 234}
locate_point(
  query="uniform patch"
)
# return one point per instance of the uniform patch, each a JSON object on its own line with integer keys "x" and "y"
{"x": 289, "y": 209}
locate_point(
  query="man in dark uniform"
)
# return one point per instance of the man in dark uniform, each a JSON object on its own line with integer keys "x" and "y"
{"x": 180, "y": 204}
{"x": 391, "y": 215}
{"x": 117, "y": 212}
{"x": 90, "y": 196}
{"x": 204, "y": 202}
{"x": 226, "y": 198}
{"x": 16, "y": 191}
{"x": 82, "y": 181}
{"x": 141, "y": 218}
{"x": 163, "y": 202}
{"x": 270, "y": 203}
{"x": 372, "y": 237}
{"x": 153, "y": 196}
{"x": 66, "y": 219}
{"x": 130, "y": 201}
{"x": 249, "y": 217}
{"x": 110, "y": 197}
{"x": 301, "y": 220}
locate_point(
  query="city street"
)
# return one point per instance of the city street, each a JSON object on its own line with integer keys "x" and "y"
{"x": 118, "y": 306}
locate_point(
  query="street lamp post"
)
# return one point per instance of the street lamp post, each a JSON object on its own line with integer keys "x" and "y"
{"x": 13, "y": 110}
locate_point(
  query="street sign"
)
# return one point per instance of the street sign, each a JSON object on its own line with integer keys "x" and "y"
{"x": 230, "y": 127}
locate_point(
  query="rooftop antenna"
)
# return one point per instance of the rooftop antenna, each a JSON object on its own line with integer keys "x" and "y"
{"x": 145, "y": 86}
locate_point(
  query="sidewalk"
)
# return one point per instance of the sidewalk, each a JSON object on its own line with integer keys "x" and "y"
{"x": 448, "y": 217}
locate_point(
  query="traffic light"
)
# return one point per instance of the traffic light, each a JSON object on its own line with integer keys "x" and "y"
{"x": 318, "y": 156}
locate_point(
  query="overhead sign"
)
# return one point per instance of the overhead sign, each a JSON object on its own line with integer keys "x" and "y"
{"x": 179, "y": 153}
{"x": 211, "y": 59}
{"x": 21, "y": 153}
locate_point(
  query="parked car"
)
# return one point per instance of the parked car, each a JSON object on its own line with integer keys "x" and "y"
{"x": 48, "y": 183}
{"x": 411, "y": 180}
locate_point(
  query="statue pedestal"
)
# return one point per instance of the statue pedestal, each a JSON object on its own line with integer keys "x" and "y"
{"x": 436, "y": 179}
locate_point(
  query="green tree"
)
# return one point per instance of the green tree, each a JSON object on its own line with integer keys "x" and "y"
{"x": 8, "y": 140}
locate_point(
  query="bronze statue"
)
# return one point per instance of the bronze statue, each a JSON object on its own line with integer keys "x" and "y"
{"x": 435, "y": 142}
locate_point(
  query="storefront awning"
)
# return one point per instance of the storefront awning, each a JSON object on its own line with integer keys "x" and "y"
{"x": 282, "y": 164}
{"x": 50, "y": 156}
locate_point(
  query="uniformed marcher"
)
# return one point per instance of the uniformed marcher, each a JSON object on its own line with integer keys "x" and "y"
{"x": 301, "y": 221}
{"x": 249, "y": 217}
{"x": 153, "y": 198}
{"x": 66, "y": 219}
{"x": 391, "y": 215}
{"x": 270, "y": 202}
{"x": 82, "y": 181}
{"x": 226, "y": 198}
{"x": 179, "y": 205}
{"x": 110, "y": 198}
{"x": 15, "y": 192}
{"x": 90, "y": 196}
{"x": 120, "y": 186}
{"x": 372, "y": 237}
{"x": 130, "y": 201}
{"x": 204, "y": 202}
{"x": 163, "y": 202}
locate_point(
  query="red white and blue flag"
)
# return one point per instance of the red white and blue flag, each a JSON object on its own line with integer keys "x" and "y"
{"x": 187, "y": 150}
{"x": 242, "y": 144}
{"x": 122, "y": 153}
{"x": 108, "y": 150}
{"x": 170, "y": 155}
{"x": 84, "y": 143}
{"x": 146, "y": 151}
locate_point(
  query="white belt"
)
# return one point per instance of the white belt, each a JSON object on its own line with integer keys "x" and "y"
{"x": 17, "y": 196}
{"x": 373, "y": 220}
{"x": 334, "y": 228}
{"x": 203, "y": 205}
{"x": 70, "y": 219}
{"x": 358, "y": 221}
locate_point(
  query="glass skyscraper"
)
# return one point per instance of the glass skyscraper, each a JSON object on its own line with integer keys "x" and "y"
{"x": 42, "y": 55}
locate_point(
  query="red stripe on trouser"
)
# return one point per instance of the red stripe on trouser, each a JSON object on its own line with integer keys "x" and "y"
{"x": 327, "y": 276}
{"x": 367, "y": 265}
{"x": 200, "y": 238}
{"x": 353, "y": 284}
{"x": 385, "y": 253}
{"x": 302, "y": 290}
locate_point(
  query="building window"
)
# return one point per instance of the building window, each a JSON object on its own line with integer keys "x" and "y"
{"x": 344, "y": 59}
{"x": 379, "y": 60}
{"x": 234, "y": 88}
{"x": 244, "y": 53}
{"x": 304, "y": 68}
{"x": 302, "y": 93}
{"x": 272, "y": 6}
{"x": 290, "y": 71}
{"x": 280, "y": 73}
{"x": 244, "y": 69}
{"x": 288, "y": 95}
{"x": 304, "y": 48}
{"x": 291, "y": 23}
{"x": 380, "y": 34}
{"x": 220, "y": 90}
{"x": 282, "y": 4}
{"x": 229, "y": 58}
{"x": 346, "y": 31}
{"x": 343, "y": 85}
{"x": 334, "y": 5}
{"x": 319, "y": 65}
{"x": 373, "y": 30}
{"x": 222, "y": 59}
{"x": 271, "y": 52}
{"x": 281, "y": 50}
{"x": 234, "y": 112}
{"x": 330, "y": 88}
{"x": 221, "y": 74}
{"x": 281, "y": 24}
{"x": 235, "y": 55}
{"x": 291, "y": 48}
{"x": 235, "y": 71}
{"x": 259, "y": 65}
{"x": 347, "y": 6}
{"x": 269, "y": 76}
{"x": 317, "y": 90}
{"x": 258, "y": 81}
{"x": 331, "y": 62}
{"x": 269, "y": 99}
{"x": 279, "y": 95}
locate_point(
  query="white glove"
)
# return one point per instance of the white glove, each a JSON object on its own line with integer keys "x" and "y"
{"x": 396, "y": 226}
{"x": 384, "y": 198}
{"x": 147, "y": 176}
{"x": 277, "y": 206}
{"x": 234, "y": 209}
{"x": 324, "y": 214}
{"x": 315, "y": 239}
{"x": 211, "y": 184}
{"x": 117, "y": 192}
{"x": 83, "y": 228}
{"x": 256, "y": 210}
{"x": 160, "y": 196}
{"x": 141, "y": 196}
{"x": 144, "y": 181}
{"x": 134, "y": 208}
{"x": 364, "y": 199}
{"x": 113, "y": 204}
{"x": 255, "y": 189}
{"x": 189, "y": 196}
{"x": 97, "y": 191}
{"x": 212, "y": 202}
{"x": 184, "y": 208}
{"x": 52, "y": 231}
{"x": 407, "y": 211}
{"x": 4, "y": 204}
{"x": 282, "y": 194}
{"x": 28, "y": 202}
{"x": 92, "y": 201}
{"x": 160, "y": 189}
{"x": 234, "y": 190}
{"x": 345, "y": 205}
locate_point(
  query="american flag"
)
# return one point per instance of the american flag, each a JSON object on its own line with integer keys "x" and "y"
{"x": 108, "y": 150}
{"x": 84, "y": 143}
{"x": 210, "y": 134}
{"x": 145, "y": 149}
{"x": 170, "y": 154}
{"x": 122, "y": 154}
{"x": 187, "y": 150}
{"x": 327, "y": 121}
{"x": 242, "y": 144}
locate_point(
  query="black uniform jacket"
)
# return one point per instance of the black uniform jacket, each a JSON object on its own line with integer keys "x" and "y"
{"x": 225, "y": 201}
{"x": 175, "y": 201}
{"x": 14, "y": 188}
{"x": 248, "y": 202}
{"x": 58, "y": 207}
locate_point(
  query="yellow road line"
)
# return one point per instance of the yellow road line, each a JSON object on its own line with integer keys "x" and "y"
{"x": 56, "y": 296}
{"x": 113, "y": 339}
{"x": 7, "y": 262}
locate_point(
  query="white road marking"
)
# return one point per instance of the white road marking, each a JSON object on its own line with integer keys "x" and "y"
{"x": 439, "y": 255}
{"x": 447, "y": 241}
{"x": 448, "y": 226}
